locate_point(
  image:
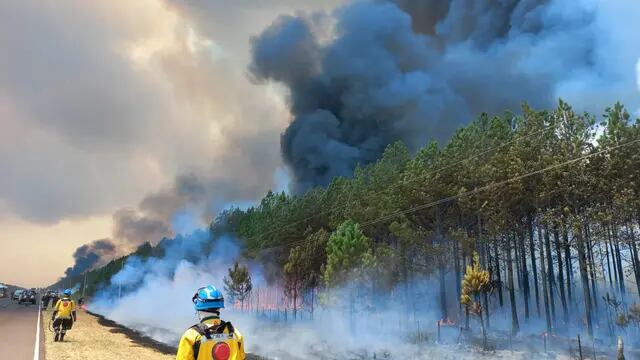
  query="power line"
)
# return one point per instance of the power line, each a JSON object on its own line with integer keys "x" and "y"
{"x": 494, "y": 185}
{"x": 424, "y": 176}
{"x": 472, "y": 192}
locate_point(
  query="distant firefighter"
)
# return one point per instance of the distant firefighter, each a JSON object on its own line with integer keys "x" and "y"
{"x": 45, "y": 300}
{"x": 64, "y": 315}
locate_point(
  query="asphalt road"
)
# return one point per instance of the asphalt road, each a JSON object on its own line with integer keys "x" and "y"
{"x": 18, "y": 324}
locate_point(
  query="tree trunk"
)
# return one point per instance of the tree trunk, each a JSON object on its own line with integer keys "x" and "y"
{"x": 295, "y": 301}
{"x": 614, "y": 260}
{"x": 568, "y": 264}
{"x": 563, "y": 299}
{"x": 497, "y": 271}
{"x": 466, "y": 318}
{"x": 550, "y": 275}
{"x": 516, "y": 260}
{"x": 484, "y": 332}
{"x": 592, "y": 271}
{"x": 456, "y": 265}
{"x": 604, "y": 276}
{"x": 441, "y": 266}
{"x": 634, "y": 257}
{"x": 443, "y": 293}
{"x": 545, "y": 287}
{"x": 582, "y": 262}
{"x": 534, "y": 267}
{"x": 525, "y": 274}
{"x": 619, "y": 261}
{"x": 313, "y": 291}
{"x": 485, "y": 296}
{"x": 515, "y": 326}
{"x": 606, "y": 252}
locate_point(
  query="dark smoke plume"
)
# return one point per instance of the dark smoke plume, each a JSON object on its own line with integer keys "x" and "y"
{"x": 89, "y": 255}
{"x": 413, "y": 71}
{"x": 132, "y": 227}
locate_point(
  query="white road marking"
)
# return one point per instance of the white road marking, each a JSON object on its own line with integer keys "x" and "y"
{"x": 36, "y": 348}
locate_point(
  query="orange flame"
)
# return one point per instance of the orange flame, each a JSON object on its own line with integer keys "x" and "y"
{"x": 446, "y": 322}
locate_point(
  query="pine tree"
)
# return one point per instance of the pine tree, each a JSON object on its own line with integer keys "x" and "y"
{"x": 238, "y": 283}
{"x": 474, "y": 283}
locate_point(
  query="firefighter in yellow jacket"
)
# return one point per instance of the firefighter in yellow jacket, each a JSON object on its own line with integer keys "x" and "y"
{"x": 64, "y": 314}
{"x": 212, "y": 338}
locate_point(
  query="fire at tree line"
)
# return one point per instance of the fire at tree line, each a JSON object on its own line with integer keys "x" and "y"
{"x": 546, "y": 202}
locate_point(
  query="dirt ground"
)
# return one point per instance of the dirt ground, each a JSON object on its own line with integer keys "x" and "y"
{"x": 89, "y": 339}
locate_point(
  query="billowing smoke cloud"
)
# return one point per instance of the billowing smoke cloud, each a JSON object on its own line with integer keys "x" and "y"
{"x": 417, "y": 70}
{"x": 134, "y": 228}
{"x": 90, "y": 255}
{"x": 129, "y": 108}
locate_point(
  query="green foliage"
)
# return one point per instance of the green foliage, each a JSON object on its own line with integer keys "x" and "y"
{"x": 302, "y": 269}
{"x": 348, "y": 252}
{"x": 237, "y": 284}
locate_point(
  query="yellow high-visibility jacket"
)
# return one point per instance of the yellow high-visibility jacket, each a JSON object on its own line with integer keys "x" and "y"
{"x": 64, "y": 308}
{"x": 194, "y": 340}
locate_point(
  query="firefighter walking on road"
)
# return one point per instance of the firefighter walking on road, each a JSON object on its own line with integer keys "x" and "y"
{"x": 212, "y": 338}
{"x": 53, "y": 298}
{"x": 64, "y": 314}
{"x": 45, "y": 300}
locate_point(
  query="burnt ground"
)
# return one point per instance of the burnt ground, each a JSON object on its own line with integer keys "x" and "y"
{"x": 133, "y": 335}
{"x": 142, "y": 340}
{"x": 559, "y": 347}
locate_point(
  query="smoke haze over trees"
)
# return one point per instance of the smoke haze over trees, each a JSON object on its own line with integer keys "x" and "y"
{"x": 549, "y": 203}
{"x": 547, "y": 200}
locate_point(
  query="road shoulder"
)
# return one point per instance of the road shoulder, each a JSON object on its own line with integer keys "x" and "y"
{"x": 92, "y": 338}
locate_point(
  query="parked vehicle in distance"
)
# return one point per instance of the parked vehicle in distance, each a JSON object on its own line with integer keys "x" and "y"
{"x": 17, "y": 294}
{"x": 28, "y": 296}
{"x": 4, "y": 291}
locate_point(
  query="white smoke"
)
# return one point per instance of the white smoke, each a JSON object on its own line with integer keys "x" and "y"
{"x": 149, "y": 289}
{"x": 154, "y": 296}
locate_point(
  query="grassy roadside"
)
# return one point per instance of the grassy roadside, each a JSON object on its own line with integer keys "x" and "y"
{"x": 93, "y": 338}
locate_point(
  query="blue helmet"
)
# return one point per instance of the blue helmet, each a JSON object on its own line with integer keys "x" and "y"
{"x": 67, "y": 292}
{"x": 208, "y": 298}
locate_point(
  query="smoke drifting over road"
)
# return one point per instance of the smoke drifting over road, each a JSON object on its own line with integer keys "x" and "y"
{"x": 374, "y": 72}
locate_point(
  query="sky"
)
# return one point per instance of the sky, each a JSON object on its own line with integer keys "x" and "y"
{"x": 113, "y": 113}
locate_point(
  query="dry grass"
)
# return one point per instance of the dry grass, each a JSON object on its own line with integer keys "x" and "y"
{"x": 90, "y": 340}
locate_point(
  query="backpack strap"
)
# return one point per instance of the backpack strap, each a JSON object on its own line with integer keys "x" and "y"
{"x": 224, "y": 325}
{"x": 203, "y": 331}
